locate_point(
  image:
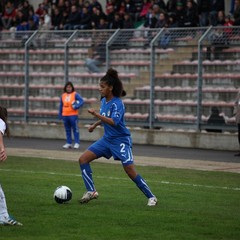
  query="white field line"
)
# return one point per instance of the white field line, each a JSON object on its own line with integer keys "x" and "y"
{"x": 124, "y": 179}
{"x": 139, "y": 160}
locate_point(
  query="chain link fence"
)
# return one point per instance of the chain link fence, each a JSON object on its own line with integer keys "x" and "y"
{"x": 173, "y": 77}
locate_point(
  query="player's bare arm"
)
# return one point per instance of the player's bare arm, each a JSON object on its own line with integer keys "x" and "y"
{"x": 3, "y": 154}
{"x": 94, "y": 125}
{"x": 101, "y": 117}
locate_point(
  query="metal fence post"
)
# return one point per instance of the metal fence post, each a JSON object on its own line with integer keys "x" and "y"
{"x": 152, "y": 79}
{"x": 110, "y": 40}
{"x": 26, "y": 77}
{"x": 66, "y": 55}
{"x": 200, "y": 80}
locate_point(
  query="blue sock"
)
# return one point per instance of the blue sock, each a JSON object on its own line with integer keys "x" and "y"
{"x": 142, "y": 185}
{"x": 87, "y": 176}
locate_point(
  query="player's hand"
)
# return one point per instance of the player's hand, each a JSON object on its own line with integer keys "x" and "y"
{"x": 91, "y": 128}
{"x": 3, "y": 155}
{"x": 92, "y": 111}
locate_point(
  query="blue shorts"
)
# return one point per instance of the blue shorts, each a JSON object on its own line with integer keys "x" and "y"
{"x": 119, "y": 149}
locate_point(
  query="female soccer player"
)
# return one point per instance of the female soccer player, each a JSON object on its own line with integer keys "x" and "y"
{"x": 116, "y": 140}
{"x": 70, "y": 102}
{"x": 5, "y": 219}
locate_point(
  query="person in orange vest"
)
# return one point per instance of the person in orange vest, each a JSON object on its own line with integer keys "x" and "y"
{"x": 70, "y": 102}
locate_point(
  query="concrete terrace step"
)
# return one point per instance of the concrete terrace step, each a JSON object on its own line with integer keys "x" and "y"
{"x": 176, "y": 106}
{"x": 139, "y": 53}
{"x": 42, "y": 99}
{"x": 187, "y": 89}
{"x": 54, "y": 78}
{"x": 188, "y": 79}
{"x": 177, "y": 102}
{"x": 43, "y": 54}
{"x": 76, "y": 54}
{"x": 190, "y": 93}
{"x": 74, "y": 65}
{"x": 188, "y": 66}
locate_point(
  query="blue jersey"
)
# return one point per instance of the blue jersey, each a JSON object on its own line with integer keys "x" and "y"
{"x": 116, "y": 140}
{"x": 114, "y": 109}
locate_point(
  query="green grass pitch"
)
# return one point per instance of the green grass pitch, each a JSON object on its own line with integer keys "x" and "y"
{"x": 192, "y": 204}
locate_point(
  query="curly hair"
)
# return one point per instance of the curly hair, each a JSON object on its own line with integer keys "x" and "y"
{"x": 111, "y": 79}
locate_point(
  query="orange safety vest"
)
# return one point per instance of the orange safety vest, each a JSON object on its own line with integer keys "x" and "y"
{"x": 68, "y": 99}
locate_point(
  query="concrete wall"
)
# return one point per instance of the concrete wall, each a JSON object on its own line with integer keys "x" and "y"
{"x": 180, "y": 138}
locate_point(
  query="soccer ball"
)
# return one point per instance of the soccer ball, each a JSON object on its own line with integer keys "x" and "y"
{"x": 75, "y": 105}
{"x": 62, "y": 194}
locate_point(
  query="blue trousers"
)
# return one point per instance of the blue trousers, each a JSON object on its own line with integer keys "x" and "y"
{"x": 92, "y": 65}
{"x": 71, "y": 125}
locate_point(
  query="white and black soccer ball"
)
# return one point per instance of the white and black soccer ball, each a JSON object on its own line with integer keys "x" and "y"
{"x": 62, "y": 194}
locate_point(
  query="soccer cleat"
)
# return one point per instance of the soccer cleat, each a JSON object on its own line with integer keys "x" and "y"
{"x": 76, "y": 146}
{"x": 67, "y": 145}
{"x": 88, "y": 196}
{"x": 152, "y": 201}
{"x": 10, "y": 222}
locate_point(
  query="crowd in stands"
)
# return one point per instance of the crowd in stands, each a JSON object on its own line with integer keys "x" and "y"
{"x": 125, "y": 14}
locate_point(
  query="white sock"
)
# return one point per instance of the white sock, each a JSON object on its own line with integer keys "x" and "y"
{"x": 3, "y": 205}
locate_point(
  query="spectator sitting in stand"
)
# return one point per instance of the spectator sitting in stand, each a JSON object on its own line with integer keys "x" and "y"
{"x": 64, "y": 18}
{"x": 130, "y": 8}
{"x": 162, "y": 21}
{"x": 57, "y": 20}
{"x": 138, "y": 5}
{"x": 108, "y": 6}
{"x": 117, "y": 22}
{"x": 215, "y": 119}
{"x": 203, "y": 12}
{"x": 67, "y": 7}
{"x": 95, "y": 4}
{"x": 127, "y": 21}
{"x": 96, "y": 57}
{"x": 220, "y": 18}
{"x": 47, "y": 20}
{"x": 228, "y": 22}
{"x": 191, "y": 15}
{"x": 171, "y": 6}
{"x": 172, "y": 23}
{"x": 25, "y": 9}
{"x": 161, "y": 4}
{"x": 73, "y": 19}
{"x": 8, "y": 15}
{"x": 145, "y": 8}
{"x": 33, "y": 17}
{"x": 152, "y": 16}
{"x": 102, "y": 24}
{"x": 96, "y": 16}
{"x": 236, "y": 13}
{"x": 215, "y": 7}
{"x": 21, "y": 21}
{"x": 85, "y": 22}
{"x": 39, "y": 10}
{"x": 180, "y": 14}
{"x": 110, "y": 16}
{"x": 122, "y": 8}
